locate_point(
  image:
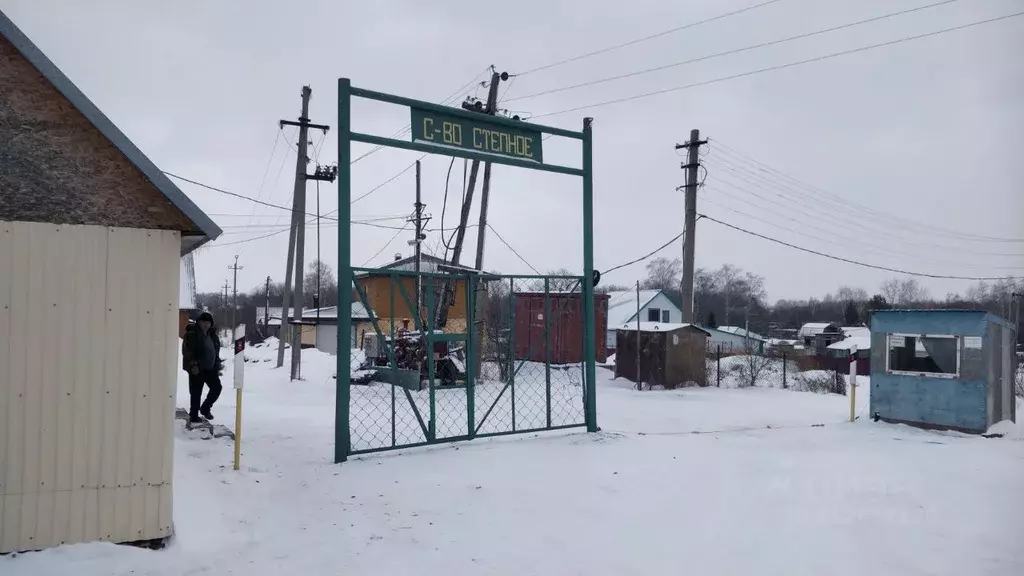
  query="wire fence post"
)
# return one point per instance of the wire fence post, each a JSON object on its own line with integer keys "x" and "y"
{"x": 784, "y": 386}
{"x": 718, "y": 366}
{"x": 547, "y": 349}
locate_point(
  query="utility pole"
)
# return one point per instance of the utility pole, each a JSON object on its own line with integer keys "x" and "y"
{"x": 481, "y": 231}
{"x": 690, "y": 222}
{"x": 234, "y": 295}
{"x": 224, "y": 297}
{"x": 639, "y": 383}
{"x": 266, "y": 312}
{"x": 481, "y": 234}
{"x": 419, "y": 244}
{"x": 297, "y": 222}
{"x": 300, "y": 234}
{"x": 746, "y": 326}
{"x": 445, "y": 296}
{"x": 297, "y": 238}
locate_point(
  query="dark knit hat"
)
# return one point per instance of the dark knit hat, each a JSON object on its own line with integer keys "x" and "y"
{"x": 205, "y": 316}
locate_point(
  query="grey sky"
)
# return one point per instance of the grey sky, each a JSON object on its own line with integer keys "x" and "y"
{"x": 930, "y": 130}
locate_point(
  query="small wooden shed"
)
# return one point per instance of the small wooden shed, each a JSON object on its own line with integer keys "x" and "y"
{"x": 91, "y": 237}
{"x": 946, "y": 369}
{"x": 671, "y": 354}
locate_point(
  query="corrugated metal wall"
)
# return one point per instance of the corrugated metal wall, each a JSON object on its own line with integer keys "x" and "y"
{"x": 88, "y": 319}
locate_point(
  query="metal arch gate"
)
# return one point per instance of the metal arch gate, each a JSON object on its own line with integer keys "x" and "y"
{"x": 510, "y": 142}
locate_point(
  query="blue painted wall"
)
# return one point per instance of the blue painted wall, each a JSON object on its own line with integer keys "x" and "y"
{"x": 955, "y": 403}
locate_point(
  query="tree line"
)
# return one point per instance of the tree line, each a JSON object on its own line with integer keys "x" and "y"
{"x": 220, "y": 305}
{"x": 728, "y": 295}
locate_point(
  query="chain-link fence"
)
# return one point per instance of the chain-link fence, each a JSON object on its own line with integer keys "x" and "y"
{"x": 450, "y": 356}
{"x": 777, "y": 368}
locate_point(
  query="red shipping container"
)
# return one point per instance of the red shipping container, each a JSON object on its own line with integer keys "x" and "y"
{"x": 565, "y": 330}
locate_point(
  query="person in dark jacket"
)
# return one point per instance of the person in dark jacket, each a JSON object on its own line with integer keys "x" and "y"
{"x": 200, "y": 352}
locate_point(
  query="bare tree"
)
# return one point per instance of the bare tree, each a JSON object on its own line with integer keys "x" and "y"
{"x": 327, "y": 281}
{"x": 903, "y": 292}
{"x": 912, "y": 291}
{"x": 890, "y": 289}
{"x": 754, "y": 367}
{"x": 663, "y": 274}
{"x": 851, "y": 294}
{"x": 561, "y": 284}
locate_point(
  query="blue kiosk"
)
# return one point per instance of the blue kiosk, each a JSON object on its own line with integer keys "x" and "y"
{"x": 942, "y": 369}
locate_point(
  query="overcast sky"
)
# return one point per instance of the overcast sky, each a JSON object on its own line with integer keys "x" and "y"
{"x": 928, "y": 132}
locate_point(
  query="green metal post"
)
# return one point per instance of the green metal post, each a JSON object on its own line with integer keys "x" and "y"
{"x": 512, "y": 345}
{"x": 471, "y": 344}
{"x": 394, "y": 356}
{"x": 547, "y": 350}
{"x": 391, "y": 297}
{"x": 588, "y": 275}
{"x": 343, "y": 378}
{"x": 431, "y": 366}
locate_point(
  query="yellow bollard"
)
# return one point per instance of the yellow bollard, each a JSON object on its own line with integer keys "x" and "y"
{"x": 853, "y": 403}
{"x": 238, "y": 426}
{"x": 239, "y": 378}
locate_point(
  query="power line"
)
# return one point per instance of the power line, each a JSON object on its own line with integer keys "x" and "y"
{"x": 730, "y": 52}
{"x": 263, "y": 181}
{"x": 781, "y": 66}
{"x": 843, "y": 203}
{"x": 849, "y": 220}
{"x": 408, "y": 127}
{"x": 518, "y": 255}
{"x": 849, "y": 261}
{"x": 385, "y": 182}
{"x": 385, "y": 247}
{"x": 860, "y": 244}
{"x": 236, "y": 195}
{"x": 645, "y": 38}
{"x": 649, "y": 254}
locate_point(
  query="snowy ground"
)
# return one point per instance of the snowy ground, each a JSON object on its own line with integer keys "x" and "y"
{"x": 698, "y": 481}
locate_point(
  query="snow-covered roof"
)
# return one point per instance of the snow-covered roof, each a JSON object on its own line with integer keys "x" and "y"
{"x": 428, "y": 263}
{"x": 851, "y": 331}
{"x": 658, "y": 326}
{"x": 742, "y": 332}
{"x": 861, "y": 342}
{"x": 331, "y": 312}
{"x": 622, "y": 305}
{"x": 275, "y": 315}
{"x": 814, "y": 328}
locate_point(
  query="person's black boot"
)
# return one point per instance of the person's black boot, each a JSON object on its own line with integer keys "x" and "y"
{"x": 207, "y": 414}
{"x": 195, "y": 419}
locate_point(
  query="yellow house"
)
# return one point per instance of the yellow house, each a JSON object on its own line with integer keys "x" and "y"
{"x": 387, "y": 302}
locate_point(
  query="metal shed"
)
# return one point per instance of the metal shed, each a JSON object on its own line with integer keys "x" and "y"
{"x": 559, "y": 338}
{"x": 91, "y": 236}
{"x": 671, "y": 354}
{"x": 944, "y": 369}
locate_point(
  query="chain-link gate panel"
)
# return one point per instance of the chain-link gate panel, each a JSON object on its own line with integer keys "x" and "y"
{"x": 441, "y": 357}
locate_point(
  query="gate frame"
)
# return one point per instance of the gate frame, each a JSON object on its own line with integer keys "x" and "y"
{"x": 342, "y": 432}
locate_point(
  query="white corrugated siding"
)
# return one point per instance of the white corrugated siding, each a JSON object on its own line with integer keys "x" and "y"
{"x": 88, "y": 326}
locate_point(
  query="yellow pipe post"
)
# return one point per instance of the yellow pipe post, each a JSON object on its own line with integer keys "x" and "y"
{"x": 238, "y": 426}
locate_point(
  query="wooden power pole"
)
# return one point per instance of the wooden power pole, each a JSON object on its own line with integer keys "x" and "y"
{"x": 234, "y": 294}
{"x": 297, "y": 238}
{"x": 460, "y": 236}
{"x": 690, "y": 220}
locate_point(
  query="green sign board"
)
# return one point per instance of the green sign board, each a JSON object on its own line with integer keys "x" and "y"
{"x": 476, "y": 135}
